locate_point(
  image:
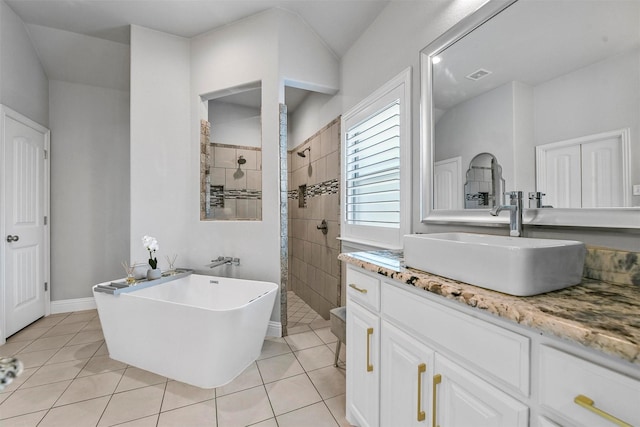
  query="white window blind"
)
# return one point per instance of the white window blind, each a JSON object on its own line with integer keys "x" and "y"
{"x": 376, "y": 167}
{"x": 373, "y": 169}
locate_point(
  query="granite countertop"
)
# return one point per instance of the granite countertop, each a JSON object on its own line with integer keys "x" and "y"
{"x": 599, "y": 315}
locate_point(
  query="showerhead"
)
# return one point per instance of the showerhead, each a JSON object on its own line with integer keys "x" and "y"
{"x": 301, "y": 153}
{"x": 242, "y": 160}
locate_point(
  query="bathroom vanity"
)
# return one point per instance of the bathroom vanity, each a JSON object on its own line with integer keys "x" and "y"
{"x": 424, "y": 350}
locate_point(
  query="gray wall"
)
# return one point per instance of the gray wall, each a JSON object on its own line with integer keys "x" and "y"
{"x": 24, "y": 86}
{"x": 89, "y": 187}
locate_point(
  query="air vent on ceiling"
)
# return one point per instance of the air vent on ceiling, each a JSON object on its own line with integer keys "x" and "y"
{"x": 478, "y": 74}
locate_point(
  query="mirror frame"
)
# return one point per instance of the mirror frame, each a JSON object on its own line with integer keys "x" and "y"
{"x": 619, "y": 218}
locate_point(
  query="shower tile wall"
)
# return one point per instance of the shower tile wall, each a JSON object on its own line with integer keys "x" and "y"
{"x": 314, "y": 273}
{"x": 235, "y": 189}
{"x": 479, "y": 187}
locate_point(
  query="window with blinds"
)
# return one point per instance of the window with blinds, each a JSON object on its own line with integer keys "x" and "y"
{"x": 375, "y": 187}
{"x": 373, "y": 169}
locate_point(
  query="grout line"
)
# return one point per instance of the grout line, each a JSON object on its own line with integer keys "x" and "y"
{"x": 124, "y": 370}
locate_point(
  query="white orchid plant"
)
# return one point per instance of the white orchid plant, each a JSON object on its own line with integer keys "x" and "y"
{"x": 151, "y": 244}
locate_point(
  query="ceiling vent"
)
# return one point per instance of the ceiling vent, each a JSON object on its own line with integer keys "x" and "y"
{"x": 478, "y": 74}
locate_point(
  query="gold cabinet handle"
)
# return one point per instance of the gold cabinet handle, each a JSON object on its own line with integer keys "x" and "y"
{"x": 362, "y": 291}
{"x": 588, "y": 404}
{"x": 437, "y": 379}
{"x": 369, "y": 333}
{"x": 422, "y": 368}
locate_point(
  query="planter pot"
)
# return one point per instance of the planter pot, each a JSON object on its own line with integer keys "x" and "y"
{"x": 153, "y": 273}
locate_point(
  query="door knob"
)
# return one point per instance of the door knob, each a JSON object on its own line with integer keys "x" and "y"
{"x": 11, "y": 238}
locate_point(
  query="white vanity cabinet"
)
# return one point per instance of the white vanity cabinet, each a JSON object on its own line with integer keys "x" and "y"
{"x": 363, "y": 351}
{"x": 405, "y": 378}
{"x": 417, "y": 359}
{"x": 462, "y": 399}
{"x": 579, "y": 392}
{"x": 413, "y": 379}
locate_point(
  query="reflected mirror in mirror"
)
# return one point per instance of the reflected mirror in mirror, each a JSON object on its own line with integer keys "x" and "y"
{"x": 231, "y": 155}
{"x": 551, "y": 88}
{"x": 484, "y": 185}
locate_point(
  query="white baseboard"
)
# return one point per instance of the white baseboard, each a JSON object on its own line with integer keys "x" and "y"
{"x": 69, "y": 305}
{"x": 274, "y": 329}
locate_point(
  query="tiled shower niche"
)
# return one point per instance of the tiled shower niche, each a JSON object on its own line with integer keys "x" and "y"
{"x": 314, "y": 269}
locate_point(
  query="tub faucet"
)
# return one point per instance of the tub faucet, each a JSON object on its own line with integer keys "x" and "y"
{"x": 515, "y": 212}
{"x": 223, "y": 260}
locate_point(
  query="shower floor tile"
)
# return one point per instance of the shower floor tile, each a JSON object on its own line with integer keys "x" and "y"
{"x": 70, "y": 380}
{"x": 301, "y": 317}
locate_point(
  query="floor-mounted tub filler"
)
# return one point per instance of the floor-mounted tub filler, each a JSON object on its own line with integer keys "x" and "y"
{"x": 201, "y": 330}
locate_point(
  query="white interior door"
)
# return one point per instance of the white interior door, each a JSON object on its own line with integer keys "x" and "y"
{"x": 602, "y": 174}
{"x": 563, "y": 176}
{"x": 24, "y": 239}
{"x": 447, "y": 184}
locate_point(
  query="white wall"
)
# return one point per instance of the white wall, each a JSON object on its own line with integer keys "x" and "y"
{"x": 599, "y": 98}
{"x": 314, "y": 112}
{"x": 24, "y": 85}
{"x": 78, "y": 58}
{"x": 168, "y": 75}
{"x": 488, "y": 128}
{"x": 238, "y": 54}
{"x": 523, "y": 146}
{"x": 160, "y": 145}
{"x": 89, "y": 187}
{"x": 304, "y": 60}
{"x": 392, "y": 43}
{"x": 234, "y": 124}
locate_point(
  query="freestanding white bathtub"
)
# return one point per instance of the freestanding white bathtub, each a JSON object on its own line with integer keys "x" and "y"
{"x": 201, "y": 330}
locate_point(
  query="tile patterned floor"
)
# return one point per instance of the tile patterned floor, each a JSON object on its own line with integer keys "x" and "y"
{"x": 301, "y": 317}
{"x": 70, "y": 381}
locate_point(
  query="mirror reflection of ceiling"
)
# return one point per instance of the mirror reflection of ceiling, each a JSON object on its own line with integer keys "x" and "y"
{"x": 533, "y": 42}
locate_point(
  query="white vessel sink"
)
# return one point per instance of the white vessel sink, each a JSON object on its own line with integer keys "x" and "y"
{"x": 512, "y": 265}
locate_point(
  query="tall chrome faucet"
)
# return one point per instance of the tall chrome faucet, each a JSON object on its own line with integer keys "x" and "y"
{"x": 515, "y": 212}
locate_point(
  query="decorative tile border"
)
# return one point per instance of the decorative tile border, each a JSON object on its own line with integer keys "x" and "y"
{"x": 284, "y": 218}
{"x": 217, "y": 196}
{"x": 331, "y": 186}
{"x": 235, "y": 147}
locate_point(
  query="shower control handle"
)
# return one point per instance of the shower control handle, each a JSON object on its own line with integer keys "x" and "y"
{"x": 11, "y": 238}
{"x": 323, "y": 226}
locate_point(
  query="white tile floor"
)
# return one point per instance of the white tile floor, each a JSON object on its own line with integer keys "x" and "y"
{"x": 70, "y": 381}
{"x": 301, "y": 317}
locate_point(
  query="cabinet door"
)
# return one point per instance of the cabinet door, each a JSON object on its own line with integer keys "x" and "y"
{"x": 461, "y": 399}
{"x": 602, "y": 174}
{"x": 559, "y": 176}
{"x": 363, "y": 368}
{"x": 405, "y": 379}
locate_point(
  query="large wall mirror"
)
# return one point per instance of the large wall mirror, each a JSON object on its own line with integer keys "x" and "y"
{"x": 551, "y": 89}
{"x": 231, "y": 155}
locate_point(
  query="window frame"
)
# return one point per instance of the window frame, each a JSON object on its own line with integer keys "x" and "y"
{"x": 398, "y": 87}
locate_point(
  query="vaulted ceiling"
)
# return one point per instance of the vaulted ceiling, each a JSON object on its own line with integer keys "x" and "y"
{"x": 338, "y": 22}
